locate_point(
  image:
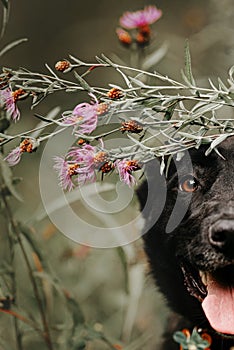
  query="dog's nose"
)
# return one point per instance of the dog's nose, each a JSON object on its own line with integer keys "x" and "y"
{"x": 221, "y": 235}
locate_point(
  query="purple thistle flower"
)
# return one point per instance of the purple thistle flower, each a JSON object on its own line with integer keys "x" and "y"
{"x": 14, "y": 156}
{"x": 27, "y": 145}
{"x": 80, "y": 161}
{"x": 141, "y": 18}
{"x": 8, "y": 99}
{"x": 66, "y": 170}
{"x": 125, "y": 169}
{"x": 85, "y": 157}
{"x": 84, "y": 117}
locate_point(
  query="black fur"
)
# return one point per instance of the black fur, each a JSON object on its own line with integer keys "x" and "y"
{"x": 189, "y": 241}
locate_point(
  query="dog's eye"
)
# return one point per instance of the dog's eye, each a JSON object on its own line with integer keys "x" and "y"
{"x": 188, "y": 184}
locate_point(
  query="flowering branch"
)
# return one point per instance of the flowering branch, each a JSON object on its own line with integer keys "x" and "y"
{"x": 158, "y": 115}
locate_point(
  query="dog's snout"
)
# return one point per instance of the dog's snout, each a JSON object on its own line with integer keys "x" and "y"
{"x": 221, "y": 235}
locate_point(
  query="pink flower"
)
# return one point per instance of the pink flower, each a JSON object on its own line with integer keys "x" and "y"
{"x": 14, "y": 156}
{"x": 141, "y": 18}
{"x": 125, "y": 169}
{"x": 66, "y": 170}
{"x": 9, "y": 100}
{"x": 81, "y": 162}
{"x": 85, "y": 157}
{"x": 84, "y": 117}
{"x": 27, "y": 145}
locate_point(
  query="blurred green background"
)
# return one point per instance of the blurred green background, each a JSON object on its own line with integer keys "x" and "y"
{"x": 112, "y": 286}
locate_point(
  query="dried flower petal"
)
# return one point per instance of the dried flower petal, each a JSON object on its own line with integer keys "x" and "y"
{"x": 125, "y": 169}
{"x": 84, "y": 117}
{"x": 27, "y": 145}
{"x": 8, "y": 99}
{"x": 14, "y": 156}
{"x": 65, "y": 172}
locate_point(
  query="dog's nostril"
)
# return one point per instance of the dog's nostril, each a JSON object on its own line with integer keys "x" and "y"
{"x": 221, "y": 234}
{"x": 218, "y": 238}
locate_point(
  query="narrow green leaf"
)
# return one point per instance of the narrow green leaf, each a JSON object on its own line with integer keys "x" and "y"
{"x": 28, "y": 234}
{"x": 82, "y": 82}
{"x": 216, "y": 142}
{"x": 137, "y": 82}
{"x": 81, "y": 63}
{"x": 169, "y": 112}
{"x": 222, "y": 85}
{"x": 124, "y": 263}
{"x": 188, "y": 136}
{"x": 12, "y": 45}
{"x": 74, "y": 307}
{"x": 6, "y": 14}
{"x": 100, "y": 60}
{"x": 188, "y": 65}
{"x": 7, "y": 177}
{"x": 108, "y": 61}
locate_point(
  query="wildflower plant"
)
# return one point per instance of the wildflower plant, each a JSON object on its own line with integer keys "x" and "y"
{"x": 155, "y": 116}
{"x": 159, "y": 116}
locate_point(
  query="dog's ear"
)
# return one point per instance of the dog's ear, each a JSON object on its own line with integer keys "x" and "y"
{"x": 152, "y": 189}
{"x": 151, "y": 172}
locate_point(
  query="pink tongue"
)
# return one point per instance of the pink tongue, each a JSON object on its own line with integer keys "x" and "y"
{"x": 219, "y": 306}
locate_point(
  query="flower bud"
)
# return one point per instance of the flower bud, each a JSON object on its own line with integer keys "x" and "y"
{"x": 17, "y": 94}
{"x": 124, "y": 36}
{"x": 115, "y": 94}
{"x": 131, "y": 126}
{"x": 62, "y": 66}
{"x": 102, "y": 108}
{"x": 107, "y": 167}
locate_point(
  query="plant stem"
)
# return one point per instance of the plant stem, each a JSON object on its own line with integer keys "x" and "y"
{"x": 14, "y": 293}
{"x": 17, "y": 232}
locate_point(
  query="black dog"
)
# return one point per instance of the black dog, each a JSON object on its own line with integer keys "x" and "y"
{"x": 193, "y": 262}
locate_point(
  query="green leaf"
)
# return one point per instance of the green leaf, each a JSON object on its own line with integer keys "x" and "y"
{"x": 216, "y": 142}
{"x": 6, "y": 13}
{"x": 82, "y": 82}
{"x": 77, "y": 314}
{"x": 188, "y": 66}
{"x": 7, "y": 177}
{"x": 12, "y": 45}
{"x": 169, "y": 112}
{"x": 222, "y": 86}
{"x": 108, "y": 61}
{"x": 35, "y": 246}
{"x": 137, "y": 82}
{"x": 124, "y": 263}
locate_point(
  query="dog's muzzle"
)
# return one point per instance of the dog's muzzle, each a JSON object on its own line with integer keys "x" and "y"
{"x": 221, "y": 236}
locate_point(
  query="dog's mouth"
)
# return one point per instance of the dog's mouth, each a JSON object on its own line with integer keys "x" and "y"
{"x": 215, "y": 291}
